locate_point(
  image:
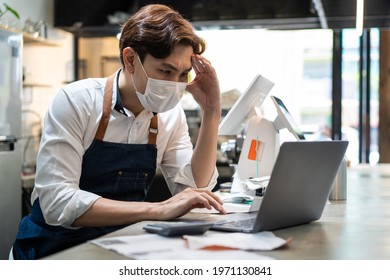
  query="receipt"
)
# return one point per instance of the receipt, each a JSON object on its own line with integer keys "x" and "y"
{"x": 264, "y": 241}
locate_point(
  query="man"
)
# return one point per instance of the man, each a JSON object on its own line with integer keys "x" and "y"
{"x": 104, "y": 138}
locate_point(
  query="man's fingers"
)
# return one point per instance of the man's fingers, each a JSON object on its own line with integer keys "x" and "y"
{"x": 214, "y": 201}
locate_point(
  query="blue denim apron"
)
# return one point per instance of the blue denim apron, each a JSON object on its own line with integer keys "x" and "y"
{"x": 112, "y": 170}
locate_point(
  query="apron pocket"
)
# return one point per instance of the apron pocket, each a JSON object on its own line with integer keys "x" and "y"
{"x": 132, "y": 186}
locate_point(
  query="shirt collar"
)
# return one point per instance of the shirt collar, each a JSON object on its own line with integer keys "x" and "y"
{"x": 118, "y": 106}
{"x": 118, "y": 102}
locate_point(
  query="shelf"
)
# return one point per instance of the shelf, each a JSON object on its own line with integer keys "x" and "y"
{"x": 29, "y": 39}
{"x": 35, "y": 85}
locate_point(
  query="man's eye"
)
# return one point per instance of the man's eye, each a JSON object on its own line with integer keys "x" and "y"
{"x": 166, "y": 71}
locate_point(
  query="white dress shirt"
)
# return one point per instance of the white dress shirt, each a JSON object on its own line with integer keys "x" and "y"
{"x": 70, "y": 127}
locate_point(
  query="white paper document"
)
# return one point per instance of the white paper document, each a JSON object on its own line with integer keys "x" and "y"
{"x": 234, "y": 203}
{"x": 229, "y": 208}
{"x": 186, "y": 254}
{"x": 262, "y": 241}
{"x": 211, "y": 245}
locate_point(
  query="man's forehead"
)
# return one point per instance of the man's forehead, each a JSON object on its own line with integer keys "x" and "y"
{"x": 173, "y": 62}
{"x": 179, "y": 67}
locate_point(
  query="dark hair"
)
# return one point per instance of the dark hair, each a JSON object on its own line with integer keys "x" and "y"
{"x": 155, "y": 30}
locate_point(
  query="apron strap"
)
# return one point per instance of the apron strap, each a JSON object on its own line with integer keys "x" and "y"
{"x": 106, "y": 108}
{"x": 107, "y": 99}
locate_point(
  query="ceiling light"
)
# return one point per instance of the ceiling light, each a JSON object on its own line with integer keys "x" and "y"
{"x": 321, "y": 13}
{"x": 359, "y": 17}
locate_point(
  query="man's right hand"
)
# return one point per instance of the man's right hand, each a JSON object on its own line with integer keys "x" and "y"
{"x": 183, "y": 202}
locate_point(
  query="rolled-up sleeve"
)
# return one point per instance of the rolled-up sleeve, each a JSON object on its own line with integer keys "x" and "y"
{"x": 185, "y": 179}
{"x": 59, "y": 164}
{"x": 176, "y": 161}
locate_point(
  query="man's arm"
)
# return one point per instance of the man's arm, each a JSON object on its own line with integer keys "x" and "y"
{"x": 106, "y": 212}
{"x": 205, "y": 89}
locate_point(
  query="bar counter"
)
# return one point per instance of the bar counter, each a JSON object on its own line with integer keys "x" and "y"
{"x": 354, "y": 229}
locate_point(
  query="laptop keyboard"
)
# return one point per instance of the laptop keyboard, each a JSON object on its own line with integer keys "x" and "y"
{"x": 247, "y": 223}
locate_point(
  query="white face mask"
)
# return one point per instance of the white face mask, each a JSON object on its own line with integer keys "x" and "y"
{"x": 160, "y": 95}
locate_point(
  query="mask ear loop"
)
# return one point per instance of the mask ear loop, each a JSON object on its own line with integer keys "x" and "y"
{"x": 142, "y": 66}
{"x": 132, "y": 76}
{"x": 143, "y": 69}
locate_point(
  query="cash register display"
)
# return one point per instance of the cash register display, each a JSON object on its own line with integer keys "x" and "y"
{"x": 286, "y": 119}
{"x": 233, "y": 123}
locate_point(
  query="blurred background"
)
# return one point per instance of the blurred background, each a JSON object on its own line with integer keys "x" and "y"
{"x": 325, "y": 63}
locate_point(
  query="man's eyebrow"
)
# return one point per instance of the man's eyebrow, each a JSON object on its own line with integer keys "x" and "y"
{"x": 172, "y": 67}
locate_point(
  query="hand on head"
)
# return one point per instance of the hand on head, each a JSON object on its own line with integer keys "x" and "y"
{"x": 205, "y": 86}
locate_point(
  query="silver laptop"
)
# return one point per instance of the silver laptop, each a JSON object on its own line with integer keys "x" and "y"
{"x": 298, "y": 189}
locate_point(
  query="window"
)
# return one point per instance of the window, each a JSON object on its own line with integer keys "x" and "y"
{"x": 300, "y": 64}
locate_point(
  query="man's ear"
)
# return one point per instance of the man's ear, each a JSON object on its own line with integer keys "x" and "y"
{"x": 129, "y": 59}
